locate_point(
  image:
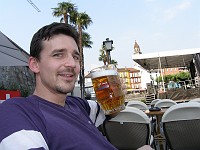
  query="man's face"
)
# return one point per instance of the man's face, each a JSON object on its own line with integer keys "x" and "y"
{"x": 58, "y": 65}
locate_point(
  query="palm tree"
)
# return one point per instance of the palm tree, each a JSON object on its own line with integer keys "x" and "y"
{"x": 65, "y": 10}
{"x": 87, "y": 40}
{"x": 82, "y": 21}
{"x": 102, "y": 56}
{"x": 114, "y": 62}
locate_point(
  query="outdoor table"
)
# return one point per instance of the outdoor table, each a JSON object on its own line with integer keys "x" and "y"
{"x": 158, "y": 137}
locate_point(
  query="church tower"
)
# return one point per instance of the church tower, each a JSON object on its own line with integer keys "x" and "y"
{"x": 137, "y": 48}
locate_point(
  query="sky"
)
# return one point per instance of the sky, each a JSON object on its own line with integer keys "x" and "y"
{"x": 156, "y": 25}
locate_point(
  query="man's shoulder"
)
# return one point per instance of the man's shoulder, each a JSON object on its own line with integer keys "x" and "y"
{"x": 81, "y": 103}
{"x": 12, "y": 107}
{"x": 17, "y": 104}
{"x": 13, "y": 101}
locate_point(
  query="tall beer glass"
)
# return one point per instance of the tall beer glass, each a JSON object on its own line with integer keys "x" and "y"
{"x": 108, "y": 89}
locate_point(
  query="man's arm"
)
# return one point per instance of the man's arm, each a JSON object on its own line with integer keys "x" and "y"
{"x": 96, "y": 113}
{"x": 17, "y": 131}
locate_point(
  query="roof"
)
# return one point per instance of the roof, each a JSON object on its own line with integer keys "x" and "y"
{"x": 127, "y": 70}
{"x": 166, "y": 59}
{"x": 11, "y": 54}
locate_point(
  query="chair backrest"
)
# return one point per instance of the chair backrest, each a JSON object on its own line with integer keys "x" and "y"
{"x": 137, "y": 104}
{"x": 165, "y": 103}
{"x": 153, "y": 102}
{"x": 195, "y": 100}
{"x": 181, "y": 126}
{"x": 130, "y": 129}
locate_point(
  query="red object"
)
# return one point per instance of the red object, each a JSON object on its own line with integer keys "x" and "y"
{"x": 5, "y": 94}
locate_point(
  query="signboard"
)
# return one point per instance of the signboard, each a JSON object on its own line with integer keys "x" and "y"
{"x": 5, "y": 94}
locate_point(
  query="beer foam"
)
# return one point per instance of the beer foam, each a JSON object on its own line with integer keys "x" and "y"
{"x": 103, "y": 73}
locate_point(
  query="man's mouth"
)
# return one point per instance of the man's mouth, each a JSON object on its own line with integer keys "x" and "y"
{"x": 67, "y": 76}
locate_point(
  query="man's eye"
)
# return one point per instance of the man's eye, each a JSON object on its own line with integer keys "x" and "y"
{"x": 77, "y": 57}
{"x": 57, "y": 55}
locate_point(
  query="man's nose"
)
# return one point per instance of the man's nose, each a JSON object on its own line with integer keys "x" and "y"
{"x": 70, "y": 61}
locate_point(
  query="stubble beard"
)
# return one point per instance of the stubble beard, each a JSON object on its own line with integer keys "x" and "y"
{"x": 65, "y": 89}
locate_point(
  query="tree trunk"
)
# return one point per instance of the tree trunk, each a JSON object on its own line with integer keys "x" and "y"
{"x": 104, "y": 62}
{"x": 66, "y": 18}
{"x": 107, "y": 57}
{"x": 82, "y": 78}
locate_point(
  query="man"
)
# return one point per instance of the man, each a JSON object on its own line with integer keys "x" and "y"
{"x": 49, "y": 119}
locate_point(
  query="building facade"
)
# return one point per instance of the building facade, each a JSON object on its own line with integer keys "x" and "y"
{"x": 131, "y": 78}
{"x": 172, "y": 71}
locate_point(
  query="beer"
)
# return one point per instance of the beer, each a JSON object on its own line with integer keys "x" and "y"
{"x": 108, "y": 90}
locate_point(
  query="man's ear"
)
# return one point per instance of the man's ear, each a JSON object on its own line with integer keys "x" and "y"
{"x": 33, "y": 64}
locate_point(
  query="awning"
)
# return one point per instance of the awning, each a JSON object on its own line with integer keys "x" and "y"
{"x": 11, "y": 54}
{"x": 167, "y": 59}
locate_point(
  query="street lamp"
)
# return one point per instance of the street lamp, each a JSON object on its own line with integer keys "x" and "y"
{"x": 108, "y": 45}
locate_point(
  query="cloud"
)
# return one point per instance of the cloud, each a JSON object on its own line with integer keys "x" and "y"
{"x": 184, "y": 5}
{"x": 172, "y": 12}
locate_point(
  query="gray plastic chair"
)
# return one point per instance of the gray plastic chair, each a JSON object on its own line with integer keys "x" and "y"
{"x": 130, "y": 129}
{"x": 181, "y": 126}
{"x": 153, "y": 102}
{"x": 165, "y": 103}
{"x": 195, "y": 100}
{"x": 142, "y": 106}
{"x": 137, "y": 104}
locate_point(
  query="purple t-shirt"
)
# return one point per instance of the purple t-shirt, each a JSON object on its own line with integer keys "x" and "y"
{"x": 34, "y": 123}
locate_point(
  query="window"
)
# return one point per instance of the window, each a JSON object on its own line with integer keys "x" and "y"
{"x": 132, "y": 80}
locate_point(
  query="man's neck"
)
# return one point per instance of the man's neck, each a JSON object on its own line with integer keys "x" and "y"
{"x": 58, "y": 99}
